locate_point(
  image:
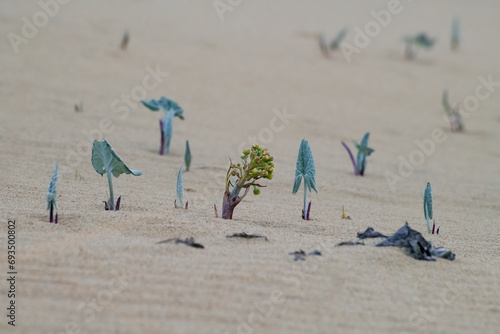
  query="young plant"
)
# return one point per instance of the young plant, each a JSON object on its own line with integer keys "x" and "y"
{"x": 305, "y": 169}
{"x": 52, "y": 196}
{"x": 428, "y": 206}
{"x": 334, "y": 45}
{"x": 180, "y": 191}
{"x": 420, "y": 40}
{"x": 453, "y": 113}
{"x": 105, "y": 160}
{"x": 455, "y": 34}
{"x": 125, "y": 40}
{"x": 171, "y": 109}
{"x": 363, "y": 152}
{"x": 187, "y": 156}
{"x": 256, "y": 163}
{"x": 344, "y": 215}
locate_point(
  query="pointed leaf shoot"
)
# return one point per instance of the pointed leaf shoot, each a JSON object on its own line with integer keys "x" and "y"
{"x": 305, "y": 169}
{"x": 52, "y": 194}
{"x": 180, "y": 188}
{"x": 105, "y": 160}
{"x": 187, "y": 156}
{"x": 428, "y": 206}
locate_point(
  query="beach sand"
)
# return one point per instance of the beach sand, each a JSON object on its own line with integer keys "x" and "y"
{"x": 103, "y": 272}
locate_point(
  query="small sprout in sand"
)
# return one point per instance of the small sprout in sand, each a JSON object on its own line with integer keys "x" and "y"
{"x": 305, "y": 169}
{"x": 171, "y": 109}
{"x": 256, "y": 163}
{"x": 125, "y": 40}
{"x": 453, "y": 113}
{"x": 455, "y": 34}
{"x": 187, "y": 156}
{"x": 428, "y": 206}
{"x": 326, "y": 49}
{"x": 420, "y": 40}
{"x": 52, "y": 196}
{"x": 79, "y": 106}
{"x": 180, "y": 191}
{"x": 344, "y": 215}
{"x": 363, "y": 152}
{"x": 105, "y": 160}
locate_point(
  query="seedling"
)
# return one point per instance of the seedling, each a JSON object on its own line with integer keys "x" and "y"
{"x": 256, "y": 163}
{"x": 363, "y": 152}
{"x": 334, "y": 45}
{"x": 180, "y": 191}
{"x": 453, "y": 113}
{"x": 420, "y": 40}
{"x": 52, "y": 196}
{"x": 455, "y": 34}
{"x": 125, "y": 40}
{"x": 105, "y": 160}
{"x": 434, "y": 227}
{"x": 305, "y": 169}
{"x": 79, "y": 106}
{"x": 344, "y": 215}
{"x": 428, "y": 206}
{"x": 187, "y": 156}
{"x": 171, "y": 109}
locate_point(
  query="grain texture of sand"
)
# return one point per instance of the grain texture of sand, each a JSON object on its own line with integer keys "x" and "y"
{"x": 257, "y": 75}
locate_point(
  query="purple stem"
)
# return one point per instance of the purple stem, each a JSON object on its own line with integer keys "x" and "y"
{"x": 352, "y": 158}
{"x": 215, "y": 208}
{"x": 437, "y": 232}
{"x": 187, "y": 205}
{"x": 51, "y": 212}
{"x": 56, "y": 219}
{"x": 433, "y": 227}
{"x": 117, "y": 207}
{"x": 308, "y": 210}
{"x": 162, "y": 138}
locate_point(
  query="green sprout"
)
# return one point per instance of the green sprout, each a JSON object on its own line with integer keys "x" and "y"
{"x": 52, "y": 196}
{"x": 305, "y": 169}
{"x": 187, "y": 156}
{"x": 455, "y": 34}
{"x": 180, "y": 191}
{"x": 106, "y": 161}
{"x": 420, "y": 40}
{"x": 428, "y": 206}
{"x": 256, "y": 163}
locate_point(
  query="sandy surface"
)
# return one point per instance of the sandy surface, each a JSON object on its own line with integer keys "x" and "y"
{"x": 103, "y": 272}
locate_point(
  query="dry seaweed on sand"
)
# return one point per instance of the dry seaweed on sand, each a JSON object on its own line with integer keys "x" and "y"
{"x": 416, "y": 246}
{"x": 187, "y": 241}
{"x": 301, "y": 255}
{"x": 247, "y": 236}
{"x": 370, "y": 233}
{"x": 350, "y": 243}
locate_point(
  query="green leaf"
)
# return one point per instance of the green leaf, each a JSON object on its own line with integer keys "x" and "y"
{"x": 152, "y": 105}
{"x": 363, "y": 152}
{"x": 166, "y": 105}
{"x": 305, "y": 168}
{"x": 187, "y": 156}
{"x": 428, "y": 202}
{"x": 180, "y": 188}
{"x": 105, "y": 160}
{"x": 51, "y": 192}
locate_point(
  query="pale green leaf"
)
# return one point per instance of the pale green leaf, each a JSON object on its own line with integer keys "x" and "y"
{"x": 305, "y": 168}
{"x": 105, "y": 160}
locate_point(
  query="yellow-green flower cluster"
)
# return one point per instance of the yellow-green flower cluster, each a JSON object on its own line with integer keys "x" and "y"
{"x": 258, "y": 163}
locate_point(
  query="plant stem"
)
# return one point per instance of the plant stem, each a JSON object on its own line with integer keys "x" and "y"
{"x": 352, "y": 158}
{"x": 306, "y": 217}
{"x": 51, "y": 211}
{"x": 111, "y": 201}
{"x": 428, "y": 226}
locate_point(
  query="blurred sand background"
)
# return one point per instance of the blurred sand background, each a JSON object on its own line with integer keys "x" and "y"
{"x": 229, "y": 75}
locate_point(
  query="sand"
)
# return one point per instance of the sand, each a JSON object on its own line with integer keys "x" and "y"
{"x": 103, "y": 272}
